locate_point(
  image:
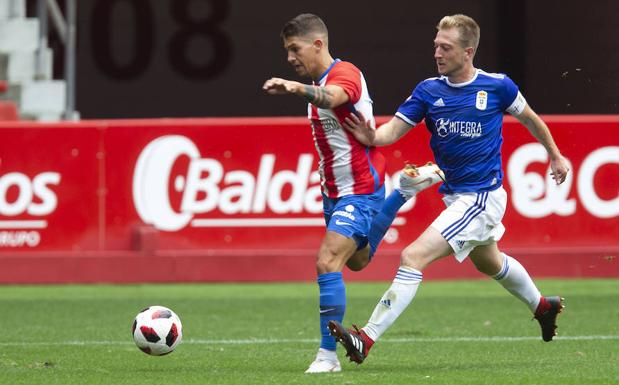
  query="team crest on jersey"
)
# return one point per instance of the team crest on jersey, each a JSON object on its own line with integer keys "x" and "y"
{"x": 482, "y": 100}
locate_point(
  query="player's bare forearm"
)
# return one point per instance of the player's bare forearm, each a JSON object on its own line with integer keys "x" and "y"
{"x": 321, "y": 97}
{"x": 329, "y": 96}
{"x": 391, "y": 132}
{"x": 318, "y": 96}
{"x": 541, "y": 132}
{"x": 384, "y": 135}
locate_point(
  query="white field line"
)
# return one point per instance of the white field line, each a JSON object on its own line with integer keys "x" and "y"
{"x": 259, "y": 341}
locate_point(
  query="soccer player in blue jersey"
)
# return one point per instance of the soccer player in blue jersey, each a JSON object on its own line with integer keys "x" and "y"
{"x": 463, "y": 109}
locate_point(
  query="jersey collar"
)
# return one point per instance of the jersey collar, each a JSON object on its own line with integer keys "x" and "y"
{"x": 466, "y": 83}
{"x": 322, "y": 76}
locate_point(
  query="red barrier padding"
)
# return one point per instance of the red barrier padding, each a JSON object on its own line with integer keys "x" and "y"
{"x": 238, "y": 199}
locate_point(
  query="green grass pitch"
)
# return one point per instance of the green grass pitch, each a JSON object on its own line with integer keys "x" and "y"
{"x": 459, "y": 332}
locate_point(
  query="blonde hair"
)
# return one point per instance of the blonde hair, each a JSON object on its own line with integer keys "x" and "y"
{"x": 466, "y": 26}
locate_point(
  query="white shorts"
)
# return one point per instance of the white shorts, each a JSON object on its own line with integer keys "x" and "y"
{"x": 471, "y": 219}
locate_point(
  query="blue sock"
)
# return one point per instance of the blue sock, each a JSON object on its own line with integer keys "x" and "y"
{"x": 384, "y": 219}
{"x": 332, "y": 305}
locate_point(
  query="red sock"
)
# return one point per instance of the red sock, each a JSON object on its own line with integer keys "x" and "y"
{"x": 368, "y": 341}
{"x": 542, "y": 307}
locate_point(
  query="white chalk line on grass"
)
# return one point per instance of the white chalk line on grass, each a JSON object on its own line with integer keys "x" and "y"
{"x": 266, "y": 341}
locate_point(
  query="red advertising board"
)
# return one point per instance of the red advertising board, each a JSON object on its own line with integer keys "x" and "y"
{"x": 239, "y": 199}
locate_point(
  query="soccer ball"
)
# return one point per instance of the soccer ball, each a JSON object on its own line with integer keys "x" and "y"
{"x": 157, "y": 330}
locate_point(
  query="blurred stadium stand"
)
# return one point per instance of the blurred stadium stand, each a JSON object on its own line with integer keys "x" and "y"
{"x": 26, "y": 64}
{"x": 8, "y": 109}
{"x": 172, "y": 58}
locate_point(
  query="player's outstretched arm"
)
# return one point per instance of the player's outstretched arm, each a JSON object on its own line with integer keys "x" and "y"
{"x": 330, "y": 96}
{"x": 538, "y": 128}
{"x": 279, "y": 86}
{"x": 364, "y": 131}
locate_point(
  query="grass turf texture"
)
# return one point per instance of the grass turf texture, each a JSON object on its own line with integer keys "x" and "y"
{"x": 461, "y": 332}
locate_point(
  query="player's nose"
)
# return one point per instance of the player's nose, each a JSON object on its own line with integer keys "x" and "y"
{"x": 438, "y": 52}
{"x": 291, "y": 59}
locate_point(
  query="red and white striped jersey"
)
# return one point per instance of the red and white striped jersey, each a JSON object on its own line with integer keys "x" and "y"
{"x": 346, "y": 166}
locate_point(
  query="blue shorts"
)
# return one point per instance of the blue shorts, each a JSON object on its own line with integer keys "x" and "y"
{"x": 352, "y": 215}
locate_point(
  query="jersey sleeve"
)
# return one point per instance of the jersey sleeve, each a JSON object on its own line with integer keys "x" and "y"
{"x": 414, "y": 109}
{"x": 348, "y": 77}
{"x": 517, "y": 105}
{"x": 512, "y": 100}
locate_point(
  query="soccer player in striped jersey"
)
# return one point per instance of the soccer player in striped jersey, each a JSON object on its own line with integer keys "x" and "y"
{"x": 352, "y": 173}
{"x": 463, "y": 110}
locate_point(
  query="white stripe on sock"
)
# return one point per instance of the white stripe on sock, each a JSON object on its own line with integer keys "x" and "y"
{"x": 517, "y": 281}
{"x": 399, "y": 296}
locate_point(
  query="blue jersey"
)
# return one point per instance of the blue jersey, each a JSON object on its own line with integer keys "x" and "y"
{"x": 465, "y": 121}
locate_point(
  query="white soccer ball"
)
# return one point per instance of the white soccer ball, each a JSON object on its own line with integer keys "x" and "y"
{"x": 157, "y": 330}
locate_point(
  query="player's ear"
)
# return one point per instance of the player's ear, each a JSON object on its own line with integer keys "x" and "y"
{"x": 318, "y": 43}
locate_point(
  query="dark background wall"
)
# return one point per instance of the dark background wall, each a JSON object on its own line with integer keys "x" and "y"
{"x": 174, "y": 58}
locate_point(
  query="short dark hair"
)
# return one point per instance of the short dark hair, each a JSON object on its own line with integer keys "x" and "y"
{"x": 304, "y": 25}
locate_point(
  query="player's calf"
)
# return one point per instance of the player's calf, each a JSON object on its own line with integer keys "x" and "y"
{"x": 359, "y": 260}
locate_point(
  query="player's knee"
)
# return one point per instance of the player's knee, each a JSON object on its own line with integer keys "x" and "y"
{"x": 487, "y": 267}
{"x": 486, "y": 263}
{"x": 328, "y": 262}
{"x": 412, "y": 257}
{"x": 323, "y": 266}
